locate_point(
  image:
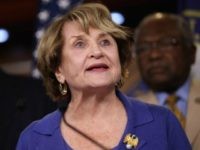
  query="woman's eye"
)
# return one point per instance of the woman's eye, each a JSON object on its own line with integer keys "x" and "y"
{"x": 79, "y": 44}
{"x": 105, "y": 42}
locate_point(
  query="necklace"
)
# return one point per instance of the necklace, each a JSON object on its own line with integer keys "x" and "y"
{"x": 85, "y": 135}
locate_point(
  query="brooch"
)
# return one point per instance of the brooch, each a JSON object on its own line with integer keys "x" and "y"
{"x": 131, "y": 141}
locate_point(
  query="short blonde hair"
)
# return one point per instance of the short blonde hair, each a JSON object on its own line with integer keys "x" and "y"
{"x": 88, "y": 15}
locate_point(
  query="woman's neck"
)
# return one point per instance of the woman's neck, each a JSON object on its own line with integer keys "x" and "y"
{"x": 91, "y": 105}
{"x": 97, "y": 117}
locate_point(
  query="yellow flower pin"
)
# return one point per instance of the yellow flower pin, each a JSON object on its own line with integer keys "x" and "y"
{"x": 131, "y": 141}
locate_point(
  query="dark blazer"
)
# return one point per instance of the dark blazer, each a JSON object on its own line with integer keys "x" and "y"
{"x": 22, "y": 100}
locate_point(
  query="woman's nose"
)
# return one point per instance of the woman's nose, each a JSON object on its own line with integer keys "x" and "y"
{"x": 96, "y": 51}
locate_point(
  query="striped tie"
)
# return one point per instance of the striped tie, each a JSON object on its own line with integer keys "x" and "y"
{"x": 171, "y": 103}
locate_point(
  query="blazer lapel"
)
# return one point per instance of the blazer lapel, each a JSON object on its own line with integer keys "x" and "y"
{"x": 193, "y": 121}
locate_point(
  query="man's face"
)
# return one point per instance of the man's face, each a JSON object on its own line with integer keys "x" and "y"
{"x": 163, "y": 60}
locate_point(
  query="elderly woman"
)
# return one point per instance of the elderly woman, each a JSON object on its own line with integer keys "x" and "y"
{"x": 83, "y": 58}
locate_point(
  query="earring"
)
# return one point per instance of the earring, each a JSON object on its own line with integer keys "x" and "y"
{"x": 124, "y": 76}
{"x": 63, "y": 88}
{"x": 120, "y": 83}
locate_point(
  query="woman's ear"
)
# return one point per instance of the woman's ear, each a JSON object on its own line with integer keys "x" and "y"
{"x": 59, "y": 75}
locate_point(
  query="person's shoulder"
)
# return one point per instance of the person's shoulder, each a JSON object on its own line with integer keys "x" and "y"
{"x": 195, "y": 82}
{"x": 43, "y": 126}
{"x": 145, "y": 110}
{"x": 158, "y": 110}
{"x": 145, "y": 113}
{"x": 154, "y": 109}
{"x": 38, "y": 129}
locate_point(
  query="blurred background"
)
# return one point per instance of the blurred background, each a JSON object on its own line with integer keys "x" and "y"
{"x": 21, "y": 19}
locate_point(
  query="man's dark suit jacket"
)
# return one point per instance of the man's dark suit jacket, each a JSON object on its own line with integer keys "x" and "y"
{"x": 22, "y": 100}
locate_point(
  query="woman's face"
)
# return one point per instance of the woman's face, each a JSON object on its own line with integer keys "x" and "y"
{"x": 88, "y": 60}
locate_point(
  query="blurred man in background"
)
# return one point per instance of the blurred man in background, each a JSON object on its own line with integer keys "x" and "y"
{"x": 165, "y": 53}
